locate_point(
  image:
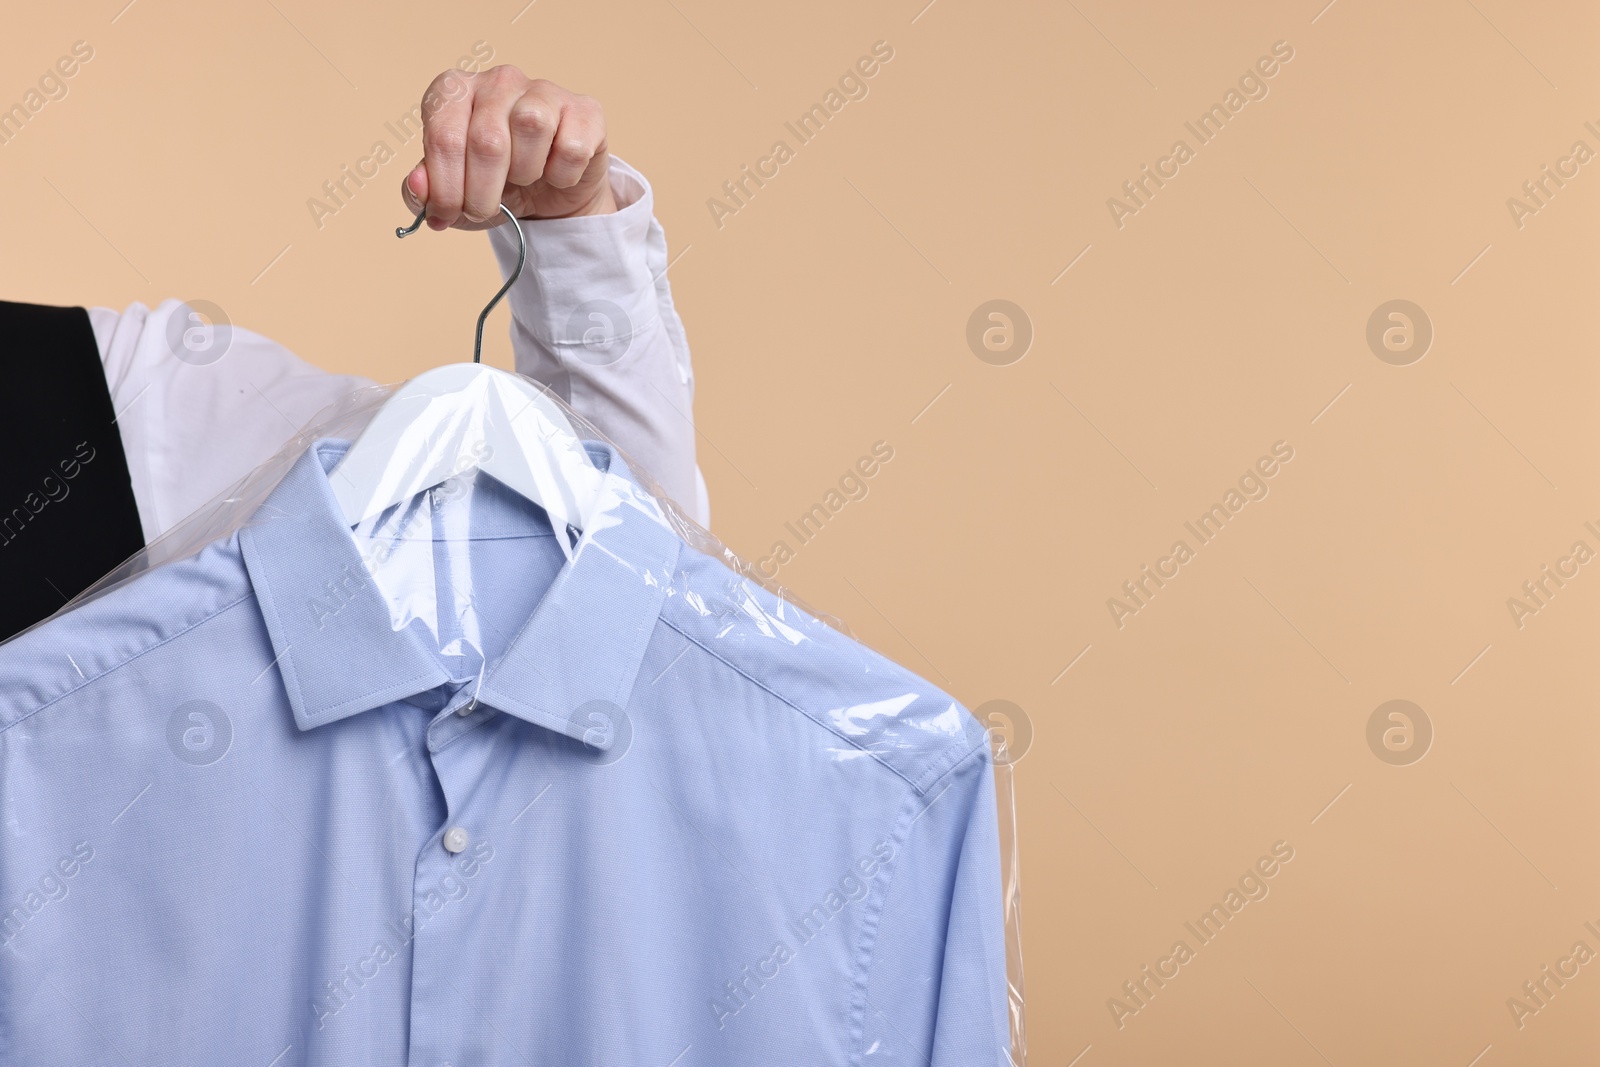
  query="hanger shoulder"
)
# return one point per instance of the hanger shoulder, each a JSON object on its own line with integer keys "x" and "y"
{"x": 462, "y": 416}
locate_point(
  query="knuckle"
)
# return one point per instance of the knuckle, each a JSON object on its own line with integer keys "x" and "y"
{"x": 449, "y": 87}
{"x": 532, "y": 120}
{"x": 503, "y": 74}
{"x": 449, "y": 141}
{"x": 487, "y": 142}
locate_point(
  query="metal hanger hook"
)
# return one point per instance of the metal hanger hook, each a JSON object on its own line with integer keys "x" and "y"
{"x": 522, "y": 257}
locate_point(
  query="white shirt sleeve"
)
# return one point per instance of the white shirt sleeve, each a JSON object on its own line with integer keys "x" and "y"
{"x": 593, "y": 318}
{"x": 193, "y": 425}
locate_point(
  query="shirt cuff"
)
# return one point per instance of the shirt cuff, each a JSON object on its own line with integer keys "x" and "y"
{"x": 587, "y": 284}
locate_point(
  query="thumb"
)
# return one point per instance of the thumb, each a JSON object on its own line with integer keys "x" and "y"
{"x": 414, "y": 188}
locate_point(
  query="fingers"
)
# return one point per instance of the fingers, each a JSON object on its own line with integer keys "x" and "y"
{"x": 489, "y": 140}
{"x": 414, "y": 189}
{"x": 446, "y": 114}
{"x": 496, "y": 134}
{"x": 534, "y": 120}
{"x": 580, "y": 138}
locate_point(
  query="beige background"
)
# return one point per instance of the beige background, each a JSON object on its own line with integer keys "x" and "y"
{"x": 1229, "y": 313}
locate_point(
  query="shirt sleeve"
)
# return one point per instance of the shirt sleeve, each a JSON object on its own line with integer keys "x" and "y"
{"x": 199, "y": 407}
{"x": 936, "y": 989}
{"x": 593, "y": 318}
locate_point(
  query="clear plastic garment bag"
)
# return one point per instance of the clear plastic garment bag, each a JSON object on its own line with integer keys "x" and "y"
{"x": 574, "y": 782}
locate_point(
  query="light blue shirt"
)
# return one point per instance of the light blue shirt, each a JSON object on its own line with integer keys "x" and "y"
{"x": 683, "y": 824}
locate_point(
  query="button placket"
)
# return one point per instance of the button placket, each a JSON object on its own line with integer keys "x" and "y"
{"x": 450, "y": 874}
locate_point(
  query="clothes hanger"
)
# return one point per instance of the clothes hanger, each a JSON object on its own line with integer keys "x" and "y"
{"x": 462, "y": 416}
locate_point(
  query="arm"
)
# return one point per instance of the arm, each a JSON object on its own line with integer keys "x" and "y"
{"x": 199, "y": 404}
{"x": 592, "y": 318}
{"x": 592, "y": 315}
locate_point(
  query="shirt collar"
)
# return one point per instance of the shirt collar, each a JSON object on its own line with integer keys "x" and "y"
{"x": 338, "y": 654}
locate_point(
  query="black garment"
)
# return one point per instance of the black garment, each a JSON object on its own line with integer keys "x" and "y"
{"x": 67, "y": 513}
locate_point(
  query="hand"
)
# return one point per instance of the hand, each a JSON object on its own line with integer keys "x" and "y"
{"x": 498, "y": 137}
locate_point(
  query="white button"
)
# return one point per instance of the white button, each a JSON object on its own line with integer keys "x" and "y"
{"x": 455, "y": 839}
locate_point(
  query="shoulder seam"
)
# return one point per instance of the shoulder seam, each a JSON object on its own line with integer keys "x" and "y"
{"x": 950, "y": 764}
{"x": 780, "y": 697}
{"x": 136, "y": 656}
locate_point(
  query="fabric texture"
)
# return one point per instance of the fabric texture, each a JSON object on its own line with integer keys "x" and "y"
{"x": 258, "y": 807}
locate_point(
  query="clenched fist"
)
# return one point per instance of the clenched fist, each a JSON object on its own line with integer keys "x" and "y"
{"x": 498, "y": 137}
